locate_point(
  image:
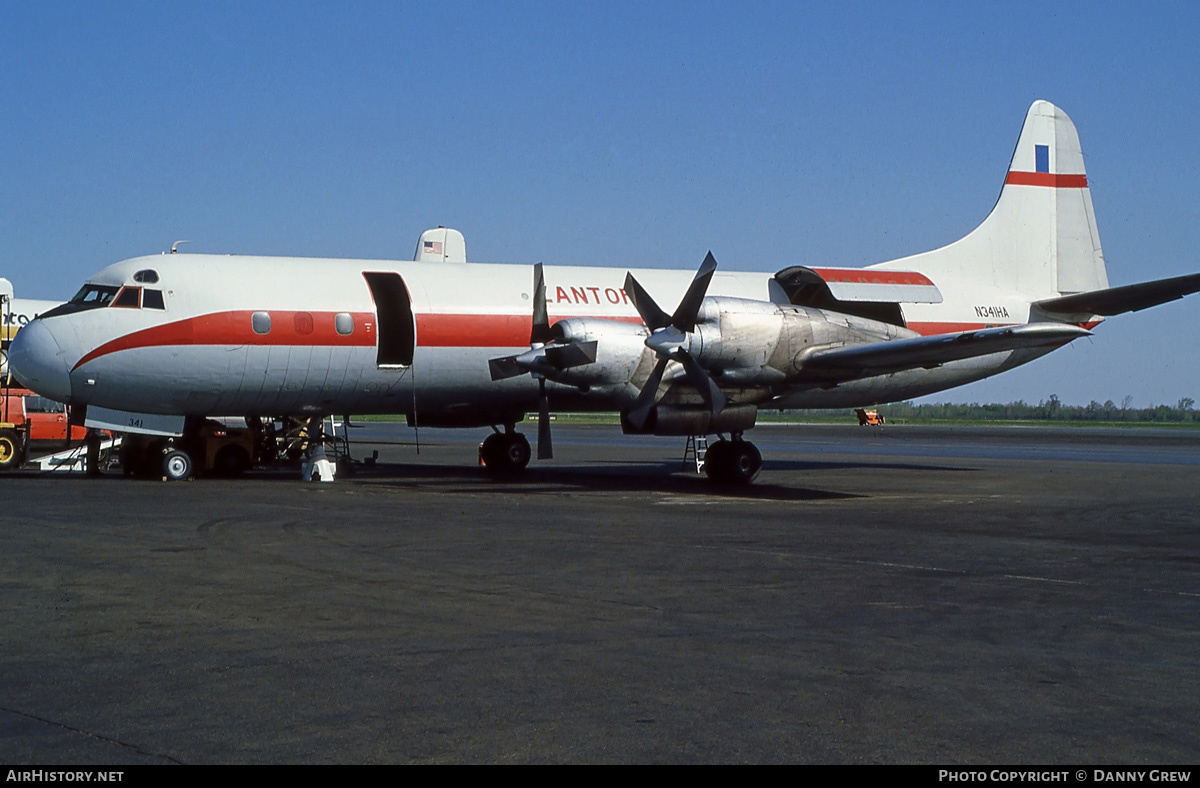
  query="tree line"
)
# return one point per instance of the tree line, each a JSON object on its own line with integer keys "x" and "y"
{"x": 1051, "y": 409}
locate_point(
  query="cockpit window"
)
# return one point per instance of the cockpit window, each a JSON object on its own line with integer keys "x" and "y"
{"x": 152, "y": 299}
{"x": 93, "y": 296}
{"x": 129, "y": 298}
{"x": 147, "y": 276}
{"x": 90, "y": 296}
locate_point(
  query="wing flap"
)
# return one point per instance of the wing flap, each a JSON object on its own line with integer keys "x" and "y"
{"x": 878, "y": 358}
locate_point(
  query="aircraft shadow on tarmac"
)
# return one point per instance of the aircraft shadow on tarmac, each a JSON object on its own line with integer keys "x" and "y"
{"x": 596, "y": 476}
{"x": 809, "y": 465}
{"x": 614, "y": 477}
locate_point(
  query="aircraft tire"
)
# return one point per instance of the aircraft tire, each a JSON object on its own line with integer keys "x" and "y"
{"x": 10, "y": 450}
{"x": 736, "y": 463}
{"x": 177, "y": 465}
{"x": 505, "y": 454}
{"x": 744, "y": 463}
{"x": 516, "y": 452}
{"x": 715, "y": 460}
{"x": 489, "y": 451}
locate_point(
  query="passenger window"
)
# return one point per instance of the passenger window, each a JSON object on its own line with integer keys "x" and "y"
{"x": 146, "y": 276}
{"x": 152, "y": 299}
{"x": 344, "y": 323}
{"x": 304, "y": 323}
{"x": 261, "y": 322}
{"x": 129, "y": 298}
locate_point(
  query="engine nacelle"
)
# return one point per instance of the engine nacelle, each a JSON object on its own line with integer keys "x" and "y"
{"x": 675, "y": 420}
{"x": 736, "y": 333}
{"x": 620, "y": 350}
{"x": 742, "y": 343}
{"x": 746, "y": 342}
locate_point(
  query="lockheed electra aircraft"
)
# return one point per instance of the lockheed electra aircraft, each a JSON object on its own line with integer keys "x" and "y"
{"x": 451, "y": 343}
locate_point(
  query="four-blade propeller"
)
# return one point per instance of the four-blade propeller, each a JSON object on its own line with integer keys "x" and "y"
{"x": 670, "y": 340}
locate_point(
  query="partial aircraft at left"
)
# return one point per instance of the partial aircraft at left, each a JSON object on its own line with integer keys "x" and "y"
{"x": 17, "y": 312}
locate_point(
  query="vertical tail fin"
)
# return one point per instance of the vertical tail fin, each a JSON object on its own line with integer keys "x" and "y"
{"x": 1040, "y": 240}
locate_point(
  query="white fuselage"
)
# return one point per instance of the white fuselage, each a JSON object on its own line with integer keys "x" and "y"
{"x": 202, "y": 352}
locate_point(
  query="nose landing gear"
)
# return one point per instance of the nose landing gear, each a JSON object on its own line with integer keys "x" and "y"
{"x": 176, "y": 465}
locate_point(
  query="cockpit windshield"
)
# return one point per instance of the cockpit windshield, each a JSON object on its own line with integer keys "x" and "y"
{"x": 94, "y": 295}
{"x": 90, "y": 296}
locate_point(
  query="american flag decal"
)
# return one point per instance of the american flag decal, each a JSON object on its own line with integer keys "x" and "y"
{"x": 433, "y": 247}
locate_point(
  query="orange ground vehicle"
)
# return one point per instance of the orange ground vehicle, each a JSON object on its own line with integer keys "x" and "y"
{"x": 27, "y": 419}
{"x": 869, "y": 418}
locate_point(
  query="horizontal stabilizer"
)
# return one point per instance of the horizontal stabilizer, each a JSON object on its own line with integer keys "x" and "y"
{"x": 855, "y": 361}
{"x": 1118, "y": 300}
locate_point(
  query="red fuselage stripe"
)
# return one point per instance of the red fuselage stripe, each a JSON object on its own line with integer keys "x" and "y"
{"x": 236, "y": 328}
{"x": 309, "y": 329}
{"x": 1047, "y": 179}
{"x": 467, "y": 330}
{"x": 437, "y": 330}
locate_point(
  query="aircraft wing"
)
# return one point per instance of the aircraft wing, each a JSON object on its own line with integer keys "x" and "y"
{"x": 878, "y": 358}
{"x": 1129, "y": 298}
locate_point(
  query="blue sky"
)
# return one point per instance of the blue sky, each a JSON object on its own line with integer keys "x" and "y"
{"x": 602, "y": 133}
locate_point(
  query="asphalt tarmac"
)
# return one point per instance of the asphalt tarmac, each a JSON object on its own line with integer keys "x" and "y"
{"x": 949, "y": 596}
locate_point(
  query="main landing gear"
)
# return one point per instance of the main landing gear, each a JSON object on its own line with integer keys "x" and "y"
{"x": 505, "y": 453}
{"x": 732, "y": 462}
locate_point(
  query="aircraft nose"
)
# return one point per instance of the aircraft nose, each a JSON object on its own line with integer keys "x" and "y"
{"x": 38, "y": 362}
